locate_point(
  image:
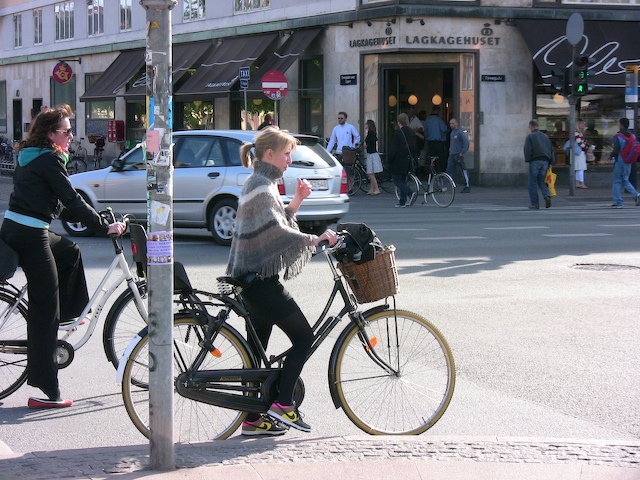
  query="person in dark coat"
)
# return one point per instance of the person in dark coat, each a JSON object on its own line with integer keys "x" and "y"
{"x": 402, "y": 152}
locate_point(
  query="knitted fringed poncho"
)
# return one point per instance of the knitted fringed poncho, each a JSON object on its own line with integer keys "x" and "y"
{"x": 266, "y": 239}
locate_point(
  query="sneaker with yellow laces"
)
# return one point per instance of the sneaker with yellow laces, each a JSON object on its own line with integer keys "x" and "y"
{"x": 289, "y": 415}
{"x": 263, "y": 426}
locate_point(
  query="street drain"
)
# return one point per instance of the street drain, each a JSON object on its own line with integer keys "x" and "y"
{"x": 604, "y": 267}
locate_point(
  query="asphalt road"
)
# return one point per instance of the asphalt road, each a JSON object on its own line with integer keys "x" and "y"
{"x": 539, "y": 308}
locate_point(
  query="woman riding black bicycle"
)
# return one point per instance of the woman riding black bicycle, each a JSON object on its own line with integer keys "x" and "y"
{"x": 266, "y": 241}
{"x": 57, "y": 288}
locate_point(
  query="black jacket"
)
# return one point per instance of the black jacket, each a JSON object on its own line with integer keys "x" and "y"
{"x": 401, "y": 151}
{"x": 41, "y": 189}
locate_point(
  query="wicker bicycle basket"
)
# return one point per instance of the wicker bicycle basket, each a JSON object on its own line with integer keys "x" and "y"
{"x": 348, "y": 156}
{"x": 375, "y": 279}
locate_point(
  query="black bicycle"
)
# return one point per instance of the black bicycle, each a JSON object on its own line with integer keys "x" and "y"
{"x": 357, "y": 179}
{"x": 391, "y": 371}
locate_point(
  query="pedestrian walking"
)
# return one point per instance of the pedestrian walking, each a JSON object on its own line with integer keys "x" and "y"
{"x": 621, "y": 169}
{"x": 458, "y": 146}
{"x": 538, "y": 152}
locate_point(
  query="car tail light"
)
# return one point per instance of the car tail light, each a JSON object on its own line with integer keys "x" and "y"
{"x": 281, "y": 186}
{"x": 344, "y": 188}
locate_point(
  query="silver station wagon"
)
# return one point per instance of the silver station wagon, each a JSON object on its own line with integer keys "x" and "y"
{"x": 208, "y": 178}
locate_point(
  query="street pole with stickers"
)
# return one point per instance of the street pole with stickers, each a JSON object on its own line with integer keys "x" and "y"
{"x": 160, "y": 231}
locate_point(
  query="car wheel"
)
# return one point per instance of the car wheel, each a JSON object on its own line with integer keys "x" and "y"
{"x": 222, "y": 221}
{"x": 78, "y": 229}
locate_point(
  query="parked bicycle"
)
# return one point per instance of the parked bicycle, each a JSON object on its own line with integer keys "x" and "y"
{"x": 440, "y": 186}
{"x": 391, "y": 371}
{"x": 99, "y": 141}
{"x": 7, "y": 160}
{"x": 77, "y": 157}
{"x": 13, "y": 320}
{"x": 357, "y": 179}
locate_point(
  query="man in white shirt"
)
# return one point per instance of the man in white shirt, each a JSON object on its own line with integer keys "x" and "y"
{"x": 343, "y": 135}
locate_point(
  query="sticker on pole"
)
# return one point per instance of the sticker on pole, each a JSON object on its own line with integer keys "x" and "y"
{"x": 274, "y": 85}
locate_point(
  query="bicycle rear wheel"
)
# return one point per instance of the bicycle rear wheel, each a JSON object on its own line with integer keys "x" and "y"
{"x": 76, "y": 165}
{"x": 408, "y": 400}
{"x": 385, "y": 182}
{"x": 13, "y": 329}
{"x": 193, "y": 421}
{"x": 354, "y": 179}
{"x": 442, "y": 190}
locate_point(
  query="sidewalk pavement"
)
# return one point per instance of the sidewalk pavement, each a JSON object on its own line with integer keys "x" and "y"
{"x": 359, "y": 457}
{"x": 351, "y": 458}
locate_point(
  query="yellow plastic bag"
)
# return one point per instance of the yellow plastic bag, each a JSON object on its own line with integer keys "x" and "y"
{"x": 550, "y": 180}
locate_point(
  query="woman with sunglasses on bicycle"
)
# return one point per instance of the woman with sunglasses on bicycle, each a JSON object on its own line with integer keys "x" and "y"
{"x": 52, "y": 264}
{"x": 265, "y": 243}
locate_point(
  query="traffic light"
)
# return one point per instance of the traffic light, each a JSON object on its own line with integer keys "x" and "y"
{"x": 562, "y": 84}
{"x": 581, "y": 75}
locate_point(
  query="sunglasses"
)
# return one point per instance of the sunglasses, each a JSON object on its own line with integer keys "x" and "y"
{"x": 340, "y": 118}
{"x": 68, "y": 132}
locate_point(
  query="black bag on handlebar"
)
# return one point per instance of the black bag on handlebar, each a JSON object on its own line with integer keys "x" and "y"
{"x": 360, "y": 244}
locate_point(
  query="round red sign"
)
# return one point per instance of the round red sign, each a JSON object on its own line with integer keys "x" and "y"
{"x": 62, "y": 72}
{"x": 274, "y": 85}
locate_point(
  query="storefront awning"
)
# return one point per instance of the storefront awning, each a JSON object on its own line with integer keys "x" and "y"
{"x": 123, "y": 68}
{"x": 184, "y": 56}
{"x": 220, "y": 70}
{"x": 613, "y": 45}
{"x": 288, "y": 53}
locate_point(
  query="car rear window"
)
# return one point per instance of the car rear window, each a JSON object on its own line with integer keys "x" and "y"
{"x": 311, "y": 154}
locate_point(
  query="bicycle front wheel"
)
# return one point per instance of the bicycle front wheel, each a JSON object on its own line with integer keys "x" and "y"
{"x": 13, "y": 331}
{"x": 414, "y": 185}
{"x": 122, "y": 324}
{"x": 76, "y": 165}
{"x": 410, "y": 398}
{"x": 442, "y": 190}
{"x": 193, "y": 421}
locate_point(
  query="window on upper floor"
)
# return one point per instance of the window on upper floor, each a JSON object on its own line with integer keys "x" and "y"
{"x": 193, "y": 9}
{"x": 125, "y": 15}
{"x": 95, "y": 17}
{"x": 37, "y": 26}
{"x": 17, "y": 30}
{"x": 64, "y": 20}
{"x": 248, "y": 5}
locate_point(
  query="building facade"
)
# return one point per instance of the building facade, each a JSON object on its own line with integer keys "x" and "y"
{"x": 485, "y": 62}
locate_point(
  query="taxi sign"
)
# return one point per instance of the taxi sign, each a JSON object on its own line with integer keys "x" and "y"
{"x": 274, "y": 85}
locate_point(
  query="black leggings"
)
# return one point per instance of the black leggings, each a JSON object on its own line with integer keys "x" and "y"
{"x": 269, "y": 304}
{"x": 57, "y": 290}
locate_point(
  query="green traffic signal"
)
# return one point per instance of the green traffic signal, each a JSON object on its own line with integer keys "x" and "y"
{"x": 581, "y": 74}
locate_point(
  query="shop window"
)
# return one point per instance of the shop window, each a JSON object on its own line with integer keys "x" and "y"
{"x": 311, "y": 96}
{"x": 193, "y": 10}
{"x": 37, "y": 26}
{"x": 136, "y": 121}
{"x": 198, "y": 115}
{"x": 104, "y": 110}
{"x": 467, "y": 72}
{"x": 248, "y": 5}
{"x": 125, "y": 15}
{"x": 95, "y": 17}
{"x": 17, "y": 30}
{"x": 3, "y": 107}
{"x": 600, "y": 113}
{"x": 64, "y": 20}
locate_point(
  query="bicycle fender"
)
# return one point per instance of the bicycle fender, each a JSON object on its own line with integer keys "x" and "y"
{"x": 334, "y": 353}
{"x": 125, "y": 356}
